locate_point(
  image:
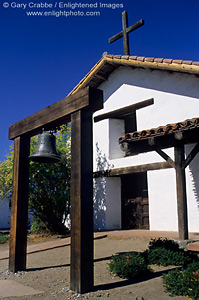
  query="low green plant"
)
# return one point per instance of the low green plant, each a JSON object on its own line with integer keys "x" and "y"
{"x": 129, "y": 265}
{"x": 166, "y": 257}
{"x": 38, "y": 227}
{"x": 183, "y": 282}
{"x": 4, "y": 238}
{"x": 166, "y": 252}
{"x": 164, "y": 243}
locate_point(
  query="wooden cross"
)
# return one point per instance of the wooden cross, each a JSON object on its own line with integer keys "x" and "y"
{"x": 125, "y": 32}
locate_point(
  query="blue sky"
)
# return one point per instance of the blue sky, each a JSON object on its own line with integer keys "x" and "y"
{"x": 43, "y": 58}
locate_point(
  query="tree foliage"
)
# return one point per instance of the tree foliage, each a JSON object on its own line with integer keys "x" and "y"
{"x": 49, "y": 184}
{"x": 6, "y": 175}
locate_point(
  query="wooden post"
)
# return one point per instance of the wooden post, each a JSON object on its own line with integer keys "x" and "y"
{"x": 181, "y": 193}
{"x": 19, "y": 208}
{"x": 81, "y": 202}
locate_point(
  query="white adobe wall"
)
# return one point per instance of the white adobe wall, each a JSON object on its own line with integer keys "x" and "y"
{"x": 175, "y": 99}
{"x": 162, "y": 200}
{"x": 5, "y": 214}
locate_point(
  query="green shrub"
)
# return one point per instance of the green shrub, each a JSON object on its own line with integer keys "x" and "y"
{"x": 167, "y": 252}
{"x": 163, "y": 243}
{"x": 38, "y": 227}
{"x": 166, "y": 257}
{"x": 4, "y": 238}
{"x": 183, "y": 282}
{"x": 129, "y": 265}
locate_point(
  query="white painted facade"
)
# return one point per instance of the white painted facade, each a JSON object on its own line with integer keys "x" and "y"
{"x": 176, "y": 98}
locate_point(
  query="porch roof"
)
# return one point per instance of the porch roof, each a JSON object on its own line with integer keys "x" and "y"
{"x": 169, "y": 135}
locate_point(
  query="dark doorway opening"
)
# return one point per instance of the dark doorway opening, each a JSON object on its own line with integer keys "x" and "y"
{"x": 135, "y": 207}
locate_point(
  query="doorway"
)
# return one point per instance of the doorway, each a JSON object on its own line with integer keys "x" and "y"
{"x": 134, "y": 199}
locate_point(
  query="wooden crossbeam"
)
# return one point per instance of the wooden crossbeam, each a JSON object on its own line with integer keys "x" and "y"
{"x": 165, "y": 156}
{"x": 56, "y": 114}
{"x": 133, "y": 169}
{"x": 124, "y": 111}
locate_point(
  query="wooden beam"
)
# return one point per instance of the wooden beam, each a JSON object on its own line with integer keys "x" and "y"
{"x": 19, "y": 208}
{"x": 101, "y": 77}
{"x": 81, "y": 271}
{"x": 125, "y": 111}
{"x": 113, "y": 64}
{"x": 181, "y": 193}
{"x": 55, "y": 114}
{"x": 164, "y": 156}
{"x": 132, "y": 169}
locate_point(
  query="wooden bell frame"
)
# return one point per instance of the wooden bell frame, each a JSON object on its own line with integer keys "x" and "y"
{"x": 77, "y": 109}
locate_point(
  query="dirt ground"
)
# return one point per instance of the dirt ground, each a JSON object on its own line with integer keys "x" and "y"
{"x": 49, "y": 271}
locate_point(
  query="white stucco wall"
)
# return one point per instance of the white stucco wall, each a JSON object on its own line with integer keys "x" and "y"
{"x": 175, "y": 99}
{"x": 162, "y": 200}
{"x": 5, "y": 214}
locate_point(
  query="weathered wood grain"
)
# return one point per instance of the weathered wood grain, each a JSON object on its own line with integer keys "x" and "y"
{"x": 131, "y": 170}
{"x": 125, "y": 111}
{"x": 19, "y": 208}
{"x": 55, "y": 114}
{"x": 181, "y": 193}
{"x": 81, "y": 203}
{"x": 125, "y": 32}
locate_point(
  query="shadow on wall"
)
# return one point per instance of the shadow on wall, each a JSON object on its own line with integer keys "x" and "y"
{"x": 5, "y": 213}
{"x": 155, "y": 80}
{"x": 99, "y": 192}
{"x": 194, "y": 172}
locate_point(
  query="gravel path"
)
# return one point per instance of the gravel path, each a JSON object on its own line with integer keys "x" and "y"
{"x": 49, "y": 271}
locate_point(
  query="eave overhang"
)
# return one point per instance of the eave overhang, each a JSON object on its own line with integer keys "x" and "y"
{"x": 108, "y": 63}
{"x": 171, "y": 135}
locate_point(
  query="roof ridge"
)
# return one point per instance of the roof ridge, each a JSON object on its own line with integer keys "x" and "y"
{"x": 151, "y": 59}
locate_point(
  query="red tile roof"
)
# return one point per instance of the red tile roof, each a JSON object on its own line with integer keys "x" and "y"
{"x": 108, "y": 63}
{"x": 161, "y": 130}
{"x": 153, "y": 59}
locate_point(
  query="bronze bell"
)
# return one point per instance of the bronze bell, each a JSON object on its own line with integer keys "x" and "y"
{"x": 46, "y": 151}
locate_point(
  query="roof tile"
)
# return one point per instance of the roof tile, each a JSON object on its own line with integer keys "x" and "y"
{"x": 177, "y": 61}
{"x": 169, "y": 65}
{"x": 133, "y": 57}
{"x": 158, "y": 60}
{"x": 125, "y": 57}
{"x": 167, "y": 60}
{"x": 141, "y": 58}
{"x": 161, "y": 130}
{"x": 109, "y": 55}
{"x": 150, "y": 59}
{"x": 187, "y": 62}
{"x": 117, "y": 56}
